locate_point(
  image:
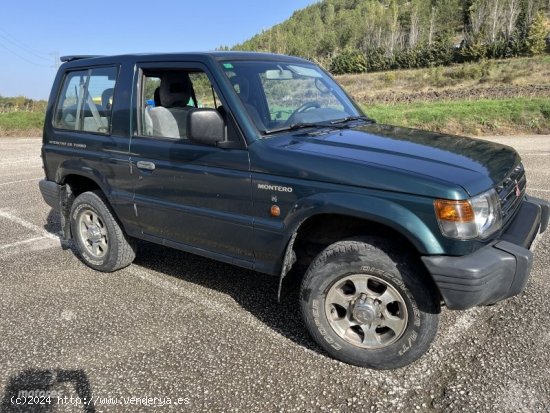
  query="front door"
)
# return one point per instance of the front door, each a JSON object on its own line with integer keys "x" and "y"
{"x": 191, "y": 196}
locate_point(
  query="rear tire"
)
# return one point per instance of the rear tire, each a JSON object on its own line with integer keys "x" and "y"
{"x": 366, "y": 306}
{"x": 100, "y": 240}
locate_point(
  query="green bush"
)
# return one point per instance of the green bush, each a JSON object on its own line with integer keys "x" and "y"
{"x": 349, "y": 61}
{"x": 472, "y": 52}
{"x": 437, "y": 54}
{"x": 377, "y": 60}
{"x": 405, "y": 59}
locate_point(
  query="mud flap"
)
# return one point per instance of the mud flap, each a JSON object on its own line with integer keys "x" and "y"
{"x": 288, "y": 262}
{"x": 66, "y": 199}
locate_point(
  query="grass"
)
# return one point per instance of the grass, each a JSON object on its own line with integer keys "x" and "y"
{"x": 21, "y": 123}
{"x": 483, "y": 117}
{"x": 491, "y": 73}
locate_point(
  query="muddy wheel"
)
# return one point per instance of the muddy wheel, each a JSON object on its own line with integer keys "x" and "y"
{"x": 100, "y": 240}
{"x": 366, "y": 306}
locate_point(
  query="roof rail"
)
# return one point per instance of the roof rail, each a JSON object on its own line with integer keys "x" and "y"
{"x": 76, "y": 57}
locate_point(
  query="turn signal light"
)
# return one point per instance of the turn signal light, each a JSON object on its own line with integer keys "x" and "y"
{"x": 456, "y": 211}
{"x": 275, "y": 211}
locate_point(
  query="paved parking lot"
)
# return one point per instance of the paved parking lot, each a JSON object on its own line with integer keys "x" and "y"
{"x": 210, "y": 337}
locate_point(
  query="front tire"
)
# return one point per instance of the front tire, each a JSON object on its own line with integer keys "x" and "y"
{"x": 365, "y": 305}
{"x": 99, "y": 238}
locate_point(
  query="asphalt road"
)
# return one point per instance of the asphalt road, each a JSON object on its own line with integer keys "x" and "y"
{"x": 173, "y": 325}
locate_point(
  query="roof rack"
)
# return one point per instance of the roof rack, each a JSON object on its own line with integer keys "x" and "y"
{"x": 77, "y": 57}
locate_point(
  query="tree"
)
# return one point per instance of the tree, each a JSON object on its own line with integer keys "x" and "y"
{"x": 536, "y": 40}
{"x": 531, "y": 8}
{"x": 414, "y": 30}
{"x": 328, "y": 13}
{"x": 394, "y": 28}
{"x": 466, "y": 13}
{"x": 432, "y": 26}
{"x": 495, "y": 19}
{"x": 511, "y": 14}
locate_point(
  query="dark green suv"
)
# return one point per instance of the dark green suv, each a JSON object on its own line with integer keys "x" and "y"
{"x": 264, "y": 162}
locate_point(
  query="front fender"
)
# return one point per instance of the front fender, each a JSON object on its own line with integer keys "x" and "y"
{"x": 374, "y": 209}
{"x": 395, "y": 213}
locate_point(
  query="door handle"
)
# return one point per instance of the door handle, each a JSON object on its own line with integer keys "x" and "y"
{"x": 150, "y": 166}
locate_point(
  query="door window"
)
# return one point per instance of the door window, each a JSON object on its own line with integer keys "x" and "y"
{"x": 167, "y": 98}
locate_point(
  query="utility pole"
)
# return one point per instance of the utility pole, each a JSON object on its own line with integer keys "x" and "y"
{"x": 56, "y": 61}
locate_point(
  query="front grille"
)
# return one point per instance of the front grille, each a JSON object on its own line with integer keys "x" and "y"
{"x": 511, "y": 191}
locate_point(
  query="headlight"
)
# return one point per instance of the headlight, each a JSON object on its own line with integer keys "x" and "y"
{"x": 478, "y": 217}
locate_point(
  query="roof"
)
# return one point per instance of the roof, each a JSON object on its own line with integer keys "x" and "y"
{"x": 218, "y": 55}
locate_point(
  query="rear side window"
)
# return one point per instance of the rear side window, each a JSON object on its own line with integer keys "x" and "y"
{"x": 86, "y": 100}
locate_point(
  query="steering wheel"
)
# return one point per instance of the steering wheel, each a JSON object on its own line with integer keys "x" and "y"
{"x": 303, "y": 108}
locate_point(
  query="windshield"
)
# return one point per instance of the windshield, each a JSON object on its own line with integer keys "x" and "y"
{"x": 280, "y": 96}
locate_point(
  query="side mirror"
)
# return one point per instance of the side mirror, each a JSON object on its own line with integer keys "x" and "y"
{"x": 205, "y": 126}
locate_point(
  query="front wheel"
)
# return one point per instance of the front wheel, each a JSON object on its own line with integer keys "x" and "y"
{"x": 366, "y": 306}
{"x": 100, "y": 240}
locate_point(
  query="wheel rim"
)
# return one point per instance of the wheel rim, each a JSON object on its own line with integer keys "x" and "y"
{"x": 366, "y": 311}
{"x": 93, "y": 233}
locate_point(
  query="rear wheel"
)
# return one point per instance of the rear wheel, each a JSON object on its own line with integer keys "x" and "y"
{"x": 366, "y": 306}
{"x": 100, "y": 240}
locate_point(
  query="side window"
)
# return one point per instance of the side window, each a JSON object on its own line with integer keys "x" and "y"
{"x": 66, "y": 111}
{"x": 86, "y": 100}
{"x": 168, "y": 96}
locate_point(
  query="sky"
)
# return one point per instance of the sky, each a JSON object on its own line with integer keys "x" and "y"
{"x": 34, "y": 33}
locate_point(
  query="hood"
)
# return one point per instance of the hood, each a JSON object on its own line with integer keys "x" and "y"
{"x": 403, "y": 159}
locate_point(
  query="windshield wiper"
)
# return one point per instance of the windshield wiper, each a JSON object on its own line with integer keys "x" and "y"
{"x": 300, "y": 125}
{"x": 338, "y": 123}
{"x": 352, "y": 118}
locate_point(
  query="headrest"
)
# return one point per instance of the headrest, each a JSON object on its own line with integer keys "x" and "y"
{"x": 156, "y": 97}
{"x": 175, "y": 90}
{"x": 106, "y": 97}
{"x": 241, "y": 86}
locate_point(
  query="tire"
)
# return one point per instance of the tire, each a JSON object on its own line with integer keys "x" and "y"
{"x": 101, "y": 242}
{"x": 365, "y": 306}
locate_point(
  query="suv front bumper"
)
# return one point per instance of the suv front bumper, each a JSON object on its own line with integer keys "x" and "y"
{"x": 497, "y": 271}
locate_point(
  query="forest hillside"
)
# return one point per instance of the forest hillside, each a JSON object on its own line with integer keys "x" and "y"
{"x": 354, "y": 36}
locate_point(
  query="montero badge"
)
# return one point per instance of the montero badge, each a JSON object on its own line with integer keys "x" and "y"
{"x": 277, "y": 188}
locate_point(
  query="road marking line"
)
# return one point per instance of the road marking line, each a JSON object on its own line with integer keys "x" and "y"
{"x": 26, "y": 241}
{"x": 28, "y": 225}
{"x": 17, "y": 182}
{"x": 26, "y": 139}
{"x": 538, "y": 190}
{"x": 20, "y": 161}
